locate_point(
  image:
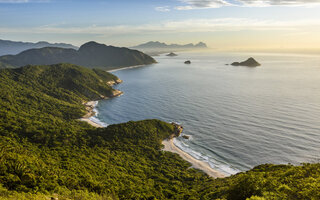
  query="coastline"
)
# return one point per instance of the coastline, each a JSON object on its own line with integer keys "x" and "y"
{"x": 197, "y": 164}
{"x": 168, "y": 143}
{"x": 130, "y": 67}
{"x": 90, "y": 106}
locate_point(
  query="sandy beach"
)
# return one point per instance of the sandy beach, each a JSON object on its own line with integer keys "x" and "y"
{"x": 86, "y": 118}
{"x": 197, "y": 164}
{"x": 130, "y": 67}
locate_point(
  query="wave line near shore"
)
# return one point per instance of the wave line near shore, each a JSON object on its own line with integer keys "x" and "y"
{"x": 197, "y": 164}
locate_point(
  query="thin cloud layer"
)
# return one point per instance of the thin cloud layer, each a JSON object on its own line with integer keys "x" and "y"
{"x": 201, "y": 4}
{"x": 24, "y": 1}
{"x": 184, "y": 26}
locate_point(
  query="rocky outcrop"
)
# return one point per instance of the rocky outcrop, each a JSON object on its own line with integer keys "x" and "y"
{"x": 177, "y": 130}
{"x": 187, "y": 62}
{"x": 114, "y": 82}
{"x": 186, "y": 137}
{"x": 251, "y": 62}
{"x": 171, "y": 54}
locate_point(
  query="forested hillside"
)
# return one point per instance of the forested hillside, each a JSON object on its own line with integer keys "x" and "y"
{"x": 46, "y": 152}
{"x": 90, "y": 54}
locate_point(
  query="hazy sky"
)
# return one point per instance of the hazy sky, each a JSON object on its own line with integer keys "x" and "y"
{"x": 222, "y": 24}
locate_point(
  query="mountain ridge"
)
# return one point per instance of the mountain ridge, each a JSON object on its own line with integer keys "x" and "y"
{"x": 9, "y": 47}
{"x": 90, "y": 54}
{"x": 157, "y": 44}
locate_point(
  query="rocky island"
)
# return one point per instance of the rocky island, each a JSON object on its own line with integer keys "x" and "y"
{"x": 187, "y": 62}
{"x": 250, "y": 62}
{"x": 171, "y": 54}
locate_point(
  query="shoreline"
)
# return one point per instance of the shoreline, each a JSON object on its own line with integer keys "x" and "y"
{"x": 168, "y": 143}
{"x": 130, "y": 67}
{"x": 90, "y": 105}
{"x": 197, "y": 164}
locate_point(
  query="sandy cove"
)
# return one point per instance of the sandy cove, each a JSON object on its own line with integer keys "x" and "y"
{"x": 168, "y": 143}
{"x": 91, "y": 104}
{"x": 90, "y": 113}
{"x": 197, "y": 164}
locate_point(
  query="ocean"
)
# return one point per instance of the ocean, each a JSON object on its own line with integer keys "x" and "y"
{"x": 236, "y": 117}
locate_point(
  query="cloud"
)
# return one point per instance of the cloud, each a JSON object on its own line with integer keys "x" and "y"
{"x": 278, "y": 2}
{"x": 24, "y": 1}
{"x": 163, "y": 9}
{"x": 201, "y": 4}
{"x": 173, "y": 27}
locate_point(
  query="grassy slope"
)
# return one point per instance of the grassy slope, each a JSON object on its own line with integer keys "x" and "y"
{"x": 45, "y": 150}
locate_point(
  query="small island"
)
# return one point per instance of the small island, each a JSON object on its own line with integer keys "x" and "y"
{"x": 250, "y": 62}
{"x": 171, "y": 54}
{"x": 187, "y": 62}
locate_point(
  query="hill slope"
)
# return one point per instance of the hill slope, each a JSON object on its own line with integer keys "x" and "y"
{"x": 8, "y": 47}
{"x": 44, "y": 149}
{"x": 91, "y": 54}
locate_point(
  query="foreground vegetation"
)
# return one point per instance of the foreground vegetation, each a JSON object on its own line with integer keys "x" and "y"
{"x": 46, "y": 152}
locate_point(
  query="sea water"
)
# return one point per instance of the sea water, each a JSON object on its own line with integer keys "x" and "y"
{"x": 236, "y": 117}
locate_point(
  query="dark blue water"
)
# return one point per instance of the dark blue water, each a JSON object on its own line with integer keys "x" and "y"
{"x": 237, "y": 117}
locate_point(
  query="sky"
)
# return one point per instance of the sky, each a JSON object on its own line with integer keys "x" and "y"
{"x": 222, "y": 24}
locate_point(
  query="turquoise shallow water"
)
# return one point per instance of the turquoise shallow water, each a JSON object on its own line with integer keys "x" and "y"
{"x": 237, "y": 117}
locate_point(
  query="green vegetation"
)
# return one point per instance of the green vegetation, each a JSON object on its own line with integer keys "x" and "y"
{"x": 91, "y": 54}
{"x": 46, "y": 152}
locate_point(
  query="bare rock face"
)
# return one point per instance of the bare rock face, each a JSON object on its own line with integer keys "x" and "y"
{"x": 251, "y": 62}
{"x": 177, "y": 130}
{"x": 114, "y": 82}
{"x": 186, "y": 137}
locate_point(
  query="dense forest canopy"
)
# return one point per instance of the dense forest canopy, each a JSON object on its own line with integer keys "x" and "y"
{"x": 46, "y": 152}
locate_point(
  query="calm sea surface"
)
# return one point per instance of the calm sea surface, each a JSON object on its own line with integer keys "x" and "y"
{"x": 237, "y": 117}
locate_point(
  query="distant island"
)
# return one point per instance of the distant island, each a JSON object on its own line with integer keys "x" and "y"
{"x": 162, "y": 45}
{"x": 8, "y": 47}
{"x": 250, "y": 62}
{"x": 155, "y": 48}
{"x": 91, "y": 54}
{"x": 171, "y": 54}
{"x": 187, "y": 62}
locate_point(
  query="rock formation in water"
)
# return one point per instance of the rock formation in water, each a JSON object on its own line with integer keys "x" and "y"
{"x": 171, "y": 54}
{"x": 250, "y": 62}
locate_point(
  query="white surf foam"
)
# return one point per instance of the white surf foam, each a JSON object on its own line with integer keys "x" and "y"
{"x": 214, "y": 164}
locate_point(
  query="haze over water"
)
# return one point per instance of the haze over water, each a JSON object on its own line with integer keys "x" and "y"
{"x": 237, "y": 117}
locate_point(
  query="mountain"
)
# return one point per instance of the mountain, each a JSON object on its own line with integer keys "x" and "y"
{"x": 159, "y": 45}
{"x": 8, "y": 47}
{"x": 250, "y": 62}
{"x": 91, "y": 54}
{"x": 47, "y": 153}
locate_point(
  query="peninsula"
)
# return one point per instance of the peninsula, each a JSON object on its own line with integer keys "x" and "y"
{"x": 91, "y": 55}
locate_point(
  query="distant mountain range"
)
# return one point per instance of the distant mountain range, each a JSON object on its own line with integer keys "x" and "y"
{"x": 91, "y": 54}
{"x": 159, "y": 45}
{"x": 8, "y": 47}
